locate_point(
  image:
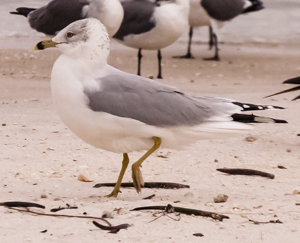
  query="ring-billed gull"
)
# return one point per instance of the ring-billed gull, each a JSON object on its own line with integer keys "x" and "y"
{"x": 214, "y": 13}
{"x": 57, "y": 14}
{"x": 122, "y": 112}
{"x": 152, "y": 25}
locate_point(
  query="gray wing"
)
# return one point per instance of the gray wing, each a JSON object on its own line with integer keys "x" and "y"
{"x": 56, "y": 15}
{"x": 145, "y": 100}
{"x": 223, "y": 10}
{"x": 138, "y": 18}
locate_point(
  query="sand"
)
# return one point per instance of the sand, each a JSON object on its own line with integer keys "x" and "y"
{"x": 41, "y": 159}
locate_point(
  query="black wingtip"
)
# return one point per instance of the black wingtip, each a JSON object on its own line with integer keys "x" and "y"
{"x": 252, "y": 107}
{"x": 246, "y": 118}
{"x": 296, "y": 98}
{"x": 292, "y": 81}
{"x": 256, "y": 6}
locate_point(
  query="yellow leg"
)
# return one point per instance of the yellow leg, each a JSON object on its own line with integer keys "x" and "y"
{"x": 116, "y": 189}
{"x": 136, "y": 172}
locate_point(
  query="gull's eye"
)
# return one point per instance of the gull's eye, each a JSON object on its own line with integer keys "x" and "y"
{"x": 70, "y": 34}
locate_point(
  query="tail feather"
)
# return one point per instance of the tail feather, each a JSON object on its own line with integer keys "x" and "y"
{"x": 23, "y": 11}
{"x": 245, "y": 118}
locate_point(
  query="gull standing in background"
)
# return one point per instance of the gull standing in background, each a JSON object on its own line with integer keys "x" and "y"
{"x": 122, "y": 112}
{"x": 214, "y": 14}
{"x": 152, "y": 25}
{"x": 57, "y": 14}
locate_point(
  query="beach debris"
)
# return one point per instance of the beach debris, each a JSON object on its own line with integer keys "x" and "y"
{"x": 221, "y": 198}
{"x": 187, "y": 211}
{"x": 250, "y": 139}
{"x": 58, "y": 215}
{"x": 43, "y": 195}
{"x": 82, "y": 177}
{"x": 62, "y": 208}
{"x": 149, "y": 197}
{"x": 296, "y": 192}
{"x": 168, "y": 210}
{"x": 239, "y": 171}
{"x": 198, "y": 234}
{"x": 297, "y": 204}
{"x": 163, "y": 154}
{"x": 165, "y": 185}
{"x": 281, "y": 167}
{"x": 21, "y": 204}
{"x": 43, "y": 231}
{"x": 268, "y": 222}
{"x": 107, "y": 214}
{"x": 112, "y": 229}
{"x": 118, "y": 210}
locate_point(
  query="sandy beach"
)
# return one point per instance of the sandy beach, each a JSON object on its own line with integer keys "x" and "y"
{"x": 41, "y": 159}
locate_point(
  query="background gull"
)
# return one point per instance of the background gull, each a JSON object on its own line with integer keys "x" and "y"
{"x": 214, "y": 13}
{"x": 152, "y": 25}
{"x": 122, "y": 112}
{"x": 57, "y": 14}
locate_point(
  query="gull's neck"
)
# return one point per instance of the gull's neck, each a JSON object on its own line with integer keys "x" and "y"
{"x": 86, "y": 62}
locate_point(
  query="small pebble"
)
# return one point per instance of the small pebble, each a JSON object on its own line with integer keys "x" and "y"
{"x": 221, "y": 198}
{"x": 250, "y": 139}
{"x": 296, "y": 192}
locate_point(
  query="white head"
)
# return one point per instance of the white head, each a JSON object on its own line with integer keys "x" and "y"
{"x": 85, "y": 38}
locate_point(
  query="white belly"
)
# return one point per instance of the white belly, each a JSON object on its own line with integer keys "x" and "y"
{"x": 170, "y": 24}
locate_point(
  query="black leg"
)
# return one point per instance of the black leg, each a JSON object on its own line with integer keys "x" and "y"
{"x": 211, "y": 41}
{"x": 188, "y": 55}
{"x": 216, "y": 56}
{"x": 139, "y": 61}
{"x": 159, "y": 64}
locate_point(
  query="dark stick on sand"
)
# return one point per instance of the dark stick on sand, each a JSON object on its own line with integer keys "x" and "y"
{"x": 187, "y": 211}
{"x": 165, "y": 185}
{"x": 112, "y": 229}
{"x": 235, "y": 171}
{"x": 268, "y": 222}
{"x": 17, "y": 204}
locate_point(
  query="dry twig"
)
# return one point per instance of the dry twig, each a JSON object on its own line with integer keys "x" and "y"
{"x": 187, "y": 211}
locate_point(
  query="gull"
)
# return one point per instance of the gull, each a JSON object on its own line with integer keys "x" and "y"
{"x": 214, "y": 14}
{"x": 289, "y": 81}
{"x": 57, "y": 14}
{"x": 121, "y": 112}
{"x": 152, "y": 25}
